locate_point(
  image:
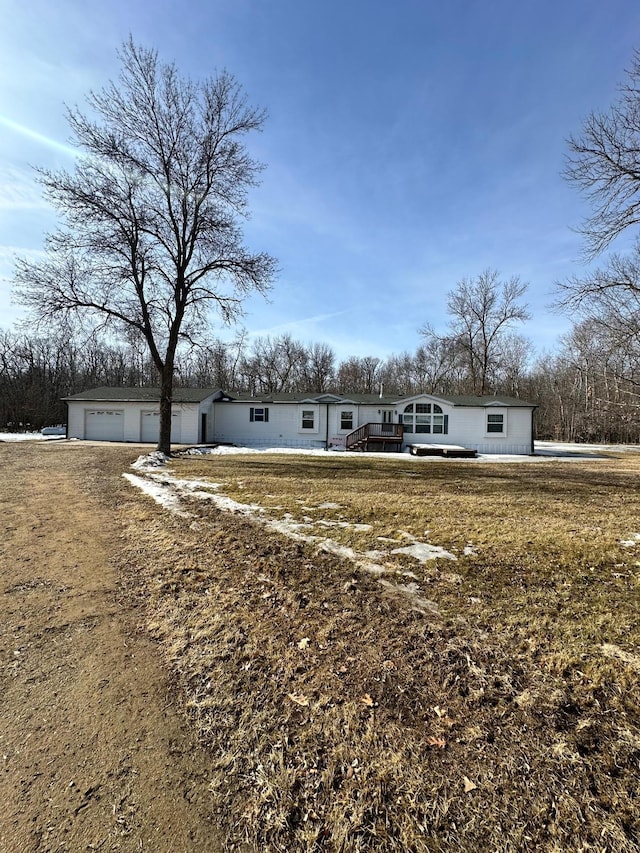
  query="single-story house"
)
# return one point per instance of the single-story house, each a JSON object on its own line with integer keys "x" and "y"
{"x": 496, "y": 424}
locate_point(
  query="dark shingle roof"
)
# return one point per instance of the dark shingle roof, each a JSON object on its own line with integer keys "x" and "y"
{"x": 376, "y": 399}
{"x": 142, "y": 395}
{"x": 487, "y": 400}
{"x": 196, "y": 395}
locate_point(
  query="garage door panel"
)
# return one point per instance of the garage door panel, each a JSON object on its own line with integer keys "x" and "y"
{"x": 104, "y": 425}
{"x": 150, "y": 427}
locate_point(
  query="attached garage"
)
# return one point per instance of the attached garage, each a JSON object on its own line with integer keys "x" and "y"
{"x": 133, "y": 414}
{"x": 104, "y": 424}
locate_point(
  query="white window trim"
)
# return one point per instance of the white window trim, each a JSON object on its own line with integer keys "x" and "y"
{"x": 426, "y": 418}
{"x": 346, "y": 430}
{"x": 488, "y": 434}
{"x": 316, "y": 417}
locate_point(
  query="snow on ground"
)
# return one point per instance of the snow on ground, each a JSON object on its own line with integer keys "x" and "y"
{"x": 632, "y": 542}
{"x": 28, "y": 436}
{"x": 157, "y": 459}
{"x": 545, "y": 451}
{"x": 422, "y": 552}
{"x": 163, "y": 496}
{"x": 170, "y": 492}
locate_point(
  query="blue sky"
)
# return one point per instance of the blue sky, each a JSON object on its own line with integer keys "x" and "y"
{"x": 409, "y": 144}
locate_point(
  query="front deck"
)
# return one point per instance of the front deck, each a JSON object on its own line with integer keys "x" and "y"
{"x": 387, "y": 437}
{"x": 375, "y": 437}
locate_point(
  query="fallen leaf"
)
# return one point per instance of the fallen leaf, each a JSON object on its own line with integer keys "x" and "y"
{"x": 440, "y": 712}
{"x": 468, "y": 784}
{"x": 436, "y": 741}
{"x": 298, "y": 698}
{"x": 367, "y": 700}
{"x": 303, "y": 643}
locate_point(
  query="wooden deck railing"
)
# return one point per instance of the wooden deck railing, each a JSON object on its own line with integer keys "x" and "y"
{"x": 375, "y": 433}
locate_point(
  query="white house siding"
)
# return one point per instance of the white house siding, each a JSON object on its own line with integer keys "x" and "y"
{"x": 185, "y": 421}
{"x": 232, "y": 424}
{"x": 75, "y": 419}
{"x": 229, "y": 422}
{"x": 467, "y": 426}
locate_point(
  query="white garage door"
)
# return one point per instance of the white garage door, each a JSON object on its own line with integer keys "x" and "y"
{"x": 150, "y": 427}
{"x": 104, "y": 425}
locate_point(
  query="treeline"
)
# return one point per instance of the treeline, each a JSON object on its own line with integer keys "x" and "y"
{"x": 589, "y": 390}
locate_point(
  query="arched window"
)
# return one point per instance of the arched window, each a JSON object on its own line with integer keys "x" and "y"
{"x": 425, "y": 418}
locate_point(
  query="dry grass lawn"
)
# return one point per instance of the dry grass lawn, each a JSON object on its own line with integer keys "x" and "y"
{"x": 489, "y": 702}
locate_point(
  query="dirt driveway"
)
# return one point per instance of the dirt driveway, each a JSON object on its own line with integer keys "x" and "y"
{"x": 93, "y": 754}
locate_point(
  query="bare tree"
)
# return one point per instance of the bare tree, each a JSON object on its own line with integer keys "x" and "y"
{"x": 604, "y": 163}
{"x": 151, "y": 238}
{"x": 273, "y": 365}
{"x": 438, "y": 365}
{"x": 512, "y": 370}
{"x": 318, "y": 370}
{"x": 608, "y": 296}
{"x": 482, "y": 311}
{"x": 359, "y": 375}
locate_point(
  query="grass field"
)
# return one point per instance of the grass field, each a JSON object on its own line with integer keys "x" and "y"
{"x": 404, "y": 655}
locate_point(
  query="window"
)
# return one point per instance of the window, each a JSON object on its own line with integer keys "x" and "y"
{"x": 424, "y": 418}
{"x": 495, "y": 423}
{"x": 346, "y": 420}
{"x": 308, "y": 419}
{"x": 259, "y": 415}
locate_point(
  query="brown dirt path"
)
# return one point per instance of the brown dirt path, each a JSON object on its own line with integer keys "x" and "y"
{"x": 93, "y": 756}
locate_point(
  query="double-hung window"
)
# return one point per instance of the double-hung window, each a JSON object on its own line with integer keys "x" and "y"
{"x": 308, "y": 419}
{"x": 495, "y": 424}
{"x": 259, "y": 414}
{"x": 346, "y": 420}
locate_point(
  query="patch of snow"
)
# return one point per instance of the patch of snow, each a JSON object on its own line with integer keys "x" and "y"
{"x": 28, "y": 436}
{"x": 288, "y": 527}
{"x": 150, "y": 461}
{"x": 346, "y": 525}
{"x": 631, "y": 542}
{"x": 468, "y": 550}
{"x": 201, "y": 489}
{"x": 329, "y": 505}
{"x": 360, "y": 560}
{"x": 422, "y": 552}
{"x": 229, "y": 505}
{"x": 161, "y": 494}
